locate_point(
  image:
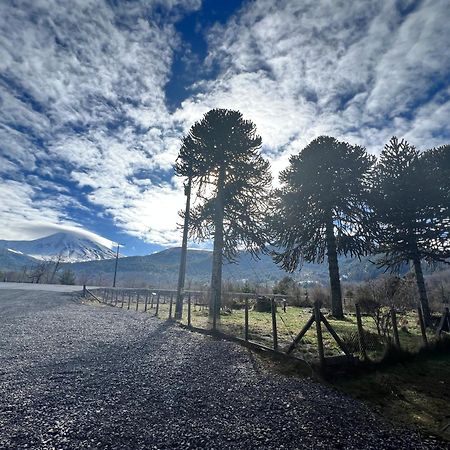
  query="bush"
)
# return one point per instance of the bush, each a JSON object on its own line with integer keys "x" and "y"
{"x": 263, "y": 304}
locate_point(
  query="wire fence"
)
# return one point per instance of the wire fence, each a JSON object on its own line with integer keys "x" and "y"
{"x": 272, "y": 322}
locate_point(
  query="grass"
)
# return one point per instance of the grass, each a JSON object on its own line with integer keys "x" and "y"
{"x": 413, "y": 393}
{"x": 289, "y": 323}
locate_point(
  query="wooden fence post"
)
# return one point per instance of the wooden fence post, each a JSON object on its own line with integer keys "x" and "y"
{"x": 170, "y": 305}
{"x": 422, "y": 326}
{"x": 189, "y": 309}
{"x": 129, "y": 300}
{"x": 317, "y": 319}
{"x": 84, "y": 291}
{"x": 157, "y": 304}
{"x": 361, "y": 340}
{"x": 123, "y": 298}
{"x": 146, "y": 302}
{"x": 137, "y": 301}
{"x": 395, "y": 328}
{"x": 246, "y": 320}
{"x": 445, "y": 319}
{"x": 274, "y": 324}
{"x": 151, "y": 301}
{"x": 116, "y": 299}
{"x": 104, "y": 296}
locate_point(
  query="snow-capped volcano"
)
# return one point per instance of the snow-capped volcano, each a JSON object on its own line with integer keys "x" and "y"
{"x": 71, "y": 247}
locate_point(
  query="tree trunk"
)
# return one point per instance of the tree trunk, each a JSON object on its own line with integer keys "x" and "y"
{"x": 422, "y": 290}
{"x": 182, "y": 271}
{"x": 216, "y": 278}
{"x": 333, "y": 269}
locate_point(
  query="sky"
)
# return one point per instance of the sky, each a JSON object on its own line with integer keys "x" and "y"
{"x": 96, "y": 94}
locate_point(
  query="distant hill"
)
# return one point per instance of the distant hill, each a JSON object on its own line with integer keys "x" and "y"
{"x": 14, "y": 260}
{"x": 162, "y": 268}
{"x": 72, "y": 247}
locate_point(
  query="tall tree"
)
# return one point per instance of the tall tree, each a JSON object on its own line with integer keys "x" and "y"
{"x": 321, "y": 209}
{"x": 411, "y": 202}
{"x": 183, "y": 167}
{"x": 232, "y": 184}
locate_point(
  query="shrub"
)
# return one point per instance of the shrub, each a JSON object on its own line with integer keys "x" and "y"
{"x": 263, "y": 304}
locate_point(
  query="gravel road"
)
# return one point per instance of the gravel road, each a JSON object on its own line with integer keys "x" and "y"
{"x": 42, "y": 287}
{"x": 76, "y": 376}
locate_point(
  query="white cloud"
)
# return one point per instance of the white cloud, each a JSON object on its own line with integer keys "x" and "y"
{"x": 352, "y": 70}
{"x": 82, "y": 95}
{"x": 25, "y": 216}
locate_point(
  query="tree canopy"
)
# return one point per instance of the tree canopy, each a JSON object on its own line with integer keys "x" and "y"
{"x": 221, "y": 153}
{"x": 232, "y": 184}
{"x": 410, "y": 200}
{"x": 321, "y": 208}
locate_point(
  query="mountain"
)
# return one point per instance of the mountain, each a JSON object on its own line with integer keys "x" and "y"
{"x": 70, "y": 246}
{"x": 14, "y": 260}
{"x": 162, "y": 269}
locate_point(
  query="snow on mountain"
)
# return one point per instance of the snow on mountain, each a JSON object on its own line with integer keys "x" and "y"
{"x": 71, "y": 247}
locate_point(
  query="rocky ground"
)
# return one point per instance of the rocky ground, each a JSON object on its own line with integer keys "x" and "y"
{"x": 75, "y": 376}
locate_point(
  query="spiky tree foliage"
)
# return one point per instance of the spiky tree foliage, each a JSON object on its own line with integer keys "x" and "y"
{"x": 232, "y": 184}
{"x": 411, "y": 204}
{"x": 321, "y": 208}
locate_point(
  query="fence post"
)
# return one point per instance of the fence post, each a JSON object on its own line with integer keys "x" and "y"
{"x": 123, "y": 298}
{"x": 129, "y": 299}
{"x": 146, "y": 302}
{"x": 115, "y": 300}
{"x": 274, "y": 324}
{"x": 84, "y": 291}
{"x": 151, "y": 301}
{"x": 170, "y": 305}
{"x": 362, "y": 344}
{"x": 246, "y": 319}
{"x": 422, "y": 326}
{"x": 395, "y": 328}
{"x": 137, "y": 301}
{"x": 104, "y": 295}
{"x": 317, "y": 319}
{"x": 157, "y": 304}
{"x": 189, "y": 309}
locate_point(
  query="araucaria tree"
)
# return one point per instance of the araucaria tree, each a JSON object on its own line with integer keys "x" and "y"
{"x": 411, "y": 202}
{"x": 321, "y": 209}
{"x": 232, "y": 184}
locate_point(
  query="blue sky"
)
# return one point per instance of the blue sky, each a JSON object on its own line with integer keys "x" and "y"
{"x": 95, "y": 95}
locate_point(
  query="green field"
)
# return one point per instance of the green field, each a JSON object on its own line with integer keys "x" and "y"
{"x": 290, "y": 322}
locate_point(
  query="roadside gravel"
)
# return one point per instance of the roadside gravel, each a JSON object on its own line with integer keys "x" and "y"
{"x": 75, "y": 376}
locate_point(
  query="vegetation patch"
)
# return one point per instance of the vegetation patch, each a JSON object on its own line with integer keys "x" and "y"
{"x": 414, "y": 393}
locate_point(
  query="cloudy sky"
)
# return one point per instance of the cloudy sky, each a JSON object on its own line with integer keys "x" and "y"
{"x": 95, "y": 94}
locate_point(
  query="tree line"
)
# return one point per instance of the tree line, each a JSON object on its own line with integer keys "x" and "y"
{"x": 334, "y": 199}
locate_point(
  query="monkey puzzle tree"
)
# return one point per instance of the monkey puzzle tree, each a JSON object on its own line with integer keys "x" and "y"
{"x": 232, "y": 183}
{"x": 410, "y": 199}
{"x": 321, "y": 209}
